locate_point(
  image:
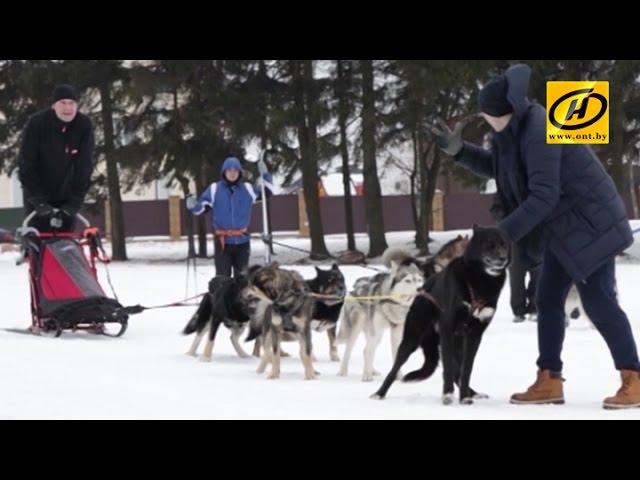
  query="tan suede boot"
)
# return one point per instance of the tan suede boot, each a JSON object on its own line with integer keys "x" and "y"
{"x": 628, "y": 395}
{"x": 546, "y": 389}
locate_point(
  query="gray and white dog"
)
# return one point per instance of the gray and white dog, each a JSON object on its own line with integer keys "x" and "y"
{"x": 280, "y": 309}
{"x": 397, "y": 287}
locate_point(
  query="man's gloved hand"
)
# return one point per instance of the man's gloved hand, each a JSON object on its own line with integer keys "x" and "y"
{"x": 449, "y": 141}
{"x": 43, "y": 209}
{"x": 191, "y": 202}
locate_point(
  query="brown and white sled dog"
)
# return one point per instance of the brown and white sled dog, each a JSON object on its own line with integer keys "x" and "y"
{"x": 280, "y": 309}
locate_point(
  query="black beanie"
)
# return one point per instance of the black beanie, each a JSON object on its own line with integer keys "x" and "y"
{"x": 64, "y": 92}
{"x": 493, "y": 97}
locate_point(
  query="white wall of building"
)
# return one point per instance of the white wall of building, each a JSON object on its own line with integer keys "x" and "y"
{"x": 5, "y": 192}
{"x": 11, "y": 192}
{"x": 17, "y": 199}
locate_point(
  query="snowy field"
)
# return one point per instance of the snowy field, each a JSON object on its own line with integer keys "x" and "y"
{"x": 146, "y": 374}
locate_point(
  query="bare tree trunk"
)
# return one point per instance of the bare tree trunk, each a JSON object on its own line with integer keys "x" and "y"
{"x": 303, "y": 77}
{"x": 373, "y": 195}
{"x": 432, "y": 181}
{"x": 423, "y": 222}
{"x": 184, "y": 184}
{"x": 617, "y": 128}
{"x": 412, "y": 184}
{"x": 343, "y": 115}
{"x": 183, "y": 180}
{"x": 201, "y": 224}
{"x": 264, "y": 143}
{"x": 118, "y": 243}
{"x": 632, "y": 188}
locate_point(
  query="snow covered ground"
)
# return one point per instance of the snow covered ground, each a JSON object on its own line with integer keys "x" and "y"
{"x": 146, "y": 374}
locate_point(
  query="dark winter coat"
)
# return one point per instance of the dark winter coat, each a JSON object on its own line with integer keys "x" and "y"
{"x": 56, "y": 160}
{"x": 555, "y": 196}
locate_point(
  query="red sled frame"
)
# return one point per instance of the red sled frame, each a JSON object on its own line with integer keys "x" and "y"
{"x": 93, "y": 253}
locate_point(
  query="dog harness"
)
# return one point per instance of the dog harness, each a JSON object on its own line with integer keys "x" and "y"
{"x": 476, "y": 302}
{"x": 431, "y": 298}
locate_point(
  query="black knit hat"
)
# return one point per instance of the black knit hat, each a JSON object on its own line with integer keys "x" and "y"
{"x": 493, "y": 97}
{"x": 64, "y": 92}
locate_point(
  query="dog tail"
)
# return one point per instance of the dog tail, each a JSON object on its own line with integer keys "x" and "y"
{"x": 199, "y": 319}
{"x": 431, "y": 358}
{"x": 397, "y": 255}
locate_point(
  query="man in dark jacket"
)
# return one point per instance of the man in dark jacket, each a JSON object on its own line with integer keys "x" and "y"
{"x": 560, "y": 200}
{"x": 56, "y": 162}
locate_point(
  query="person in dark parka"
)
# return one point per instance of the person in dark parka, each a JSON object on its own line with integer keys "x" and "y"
{"x": 560, "y": 203}
{"x": 56, "y": 161}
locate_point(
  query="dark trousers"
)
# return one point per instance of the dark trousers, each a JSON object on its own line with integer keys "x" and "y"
{"x": 234, "y": 257}
{"x": 598, "y": 295}
{"x": 523, "y": 295}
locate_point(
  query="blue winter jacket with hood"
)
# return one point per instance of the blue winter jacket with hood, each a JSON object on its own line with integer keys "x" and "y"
{"x": 231, "y": 203}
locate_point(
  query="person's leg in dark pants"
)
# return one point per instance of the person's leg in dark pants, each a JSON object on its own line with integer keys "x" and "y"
{"x": 552, "y": 289}
{"x": 241, "y": 258}
{"x": 598, "y": 294}
{"x": 223, "y": 259}
{"x": 599, "y": 298}
{"x": 517, "y": 275}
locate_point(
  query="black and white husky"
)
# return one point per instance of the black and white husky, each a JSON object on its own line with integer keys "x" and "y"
{"x": 451, "y": 314}
{"x": 223, "y": 304}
